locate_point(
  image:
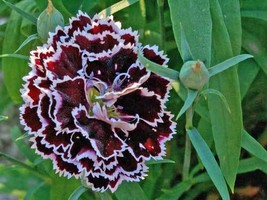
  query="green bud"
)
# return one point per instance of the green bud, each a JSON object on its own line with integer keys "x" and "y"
{"x": 194, "y": 74}
{"x": 48, "y": 20}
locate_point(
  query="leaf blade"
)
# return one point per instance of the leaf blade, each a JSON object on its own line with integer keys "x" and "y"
{"x": 253, "y": 146}
{"x": 77, "y": 193}
{"x": 158, "y": 69}
{"x": 191, "y": 96}
{"x": 21, "y": 12}
{"x": 116, "y": 7}
{"x": 209, "y": 162}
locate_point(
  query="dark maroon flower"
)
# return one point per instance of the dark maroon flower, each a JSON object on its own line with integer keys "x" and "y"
{"x": 91, "y": 106}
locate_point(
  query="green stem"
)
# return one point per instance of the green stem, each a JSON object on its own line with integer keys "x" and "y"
{"x": 189, "y": 118}
{"x": 187, "y": 158}
{"x": 188, "y": 148}
{"x": 161, "y": 22}
{"x": 19, "y": 163}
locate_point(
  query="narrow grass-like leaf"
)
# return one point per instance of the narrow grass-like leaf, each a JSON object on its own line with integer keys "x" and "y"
{"x": 218, "y": 93}
{"x": 116, "y": 7}
{"x": 23, "y": 146}
{"x": 209, "y": 162}
{"x": 14, "y": 56}
{"x": 21, "y": 12}
{"x": 21, "y": 164}
{"x": 177, "y": 191}
{"x": 25, "y": 135}
{"x": 130, "y": 191}
{"x": 201, "y": 178}
{"x": 185, "y": 49}
{"x": 62, "y": 187}
{"x": 247, "y": 72}
{"x": 252, "y": 164}
{"x": 14, "y": 67}
{"x": 228, "y": 63}
{"x": 197, "y": 32}
{"x": 2, "y": 117}
{"x": 257, "y": 14}
{"x": 226, "y": 127}
{"x": 191, "y": 96}
{"x": 30, "y": 193}
{"x": 77, "y": 193}
{"x": 28, "y": 40}
{"x": 253, "y": 146}
{"x": 158, "y": 69}
{"x": 163, "y": 161}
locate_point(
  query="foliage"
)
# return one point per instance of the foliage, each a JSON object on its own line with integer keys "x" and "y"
{"x": 213, "y": 31}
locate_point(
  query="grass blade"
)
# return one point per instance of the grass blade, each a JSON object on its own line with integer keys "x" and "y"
{"x": 228, "y": 63}
{"x": 191, "y": 96}
{"x": 253, "y": 146}
{"x": 29, "y": 39}
{"x": 116, "y": 7}
{"x": 209, "y": 162}
{"x": 218, "y": 93}
{"x": 158, "y": 69}
{"x": 14, "y": 56}
{"x": 163, "y": 161}
{"x": 128, "y": 190}
{"x": 252, "y": 164}
{"x": 77, "y": 193}
{"x": 21, "y": 12}
{"x": 2, "y": 117}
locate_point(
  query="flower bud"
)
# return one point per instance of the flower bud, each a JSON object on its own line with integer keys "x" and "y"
{"x": 194, "y": 74}
{"x": 48, "y": 20}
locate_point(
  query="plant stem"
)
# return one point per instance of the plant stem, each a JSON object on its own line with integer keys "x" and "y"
{"x": 161, "y": 22}
{"x": 187, "y": 159}
{"x": 29, "y": 168}
{"x": 188, "y": 148}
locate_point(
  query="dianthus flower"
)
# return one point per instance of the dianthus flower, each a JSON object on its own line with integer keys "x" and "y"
{"x": 91, "y": 107}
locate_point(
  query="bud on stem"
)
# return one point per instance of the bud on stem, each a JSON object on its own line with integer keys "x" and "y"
{"x": 48, "y": 20}
{"x": 194, "y": 74}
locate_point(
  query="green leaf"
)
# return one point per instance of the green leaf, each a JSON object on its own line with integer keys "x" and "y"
{"x": 252, "y": 164}
{"x": 177, "y": 191}
{"x": 191, "y": 96}
{"x": 228, "y": 63}
{"x": 17, "y": 178}
{"x": 130, "y": 191}
{"x": 158, "y": 69}
{"x": 28, "y": 40}
{"x": 30, "y": 193}
{"x": 247, "y": 72}
{"x": 2, "y": 117}
{"x": 232, "y": 20}
{"x": 187, "y": 14}
{"x": 116, "y": 7}
{"x": 257, "y": 14}
{"x": 185, "y": 49}
{"x": 218, "y": 93}
{"x": 163, "y": 161}
{"x": 77, "y": 193}
{"x": 253, "y": 146}
{"x": 14, "y": 56}
{"x": 23, "y": 145}
{"x": 209, "y": 162}
{"x": 21, "y": 12}
{"x": 21, "y": 164}
{"x": 226, "y": 127}
{"x": 15, "y": 68}
{"x": 62, "y": 187}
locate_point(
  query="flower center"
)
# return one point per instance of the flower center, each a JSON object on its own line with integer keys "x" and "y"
{"x": 92, "y": 94}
